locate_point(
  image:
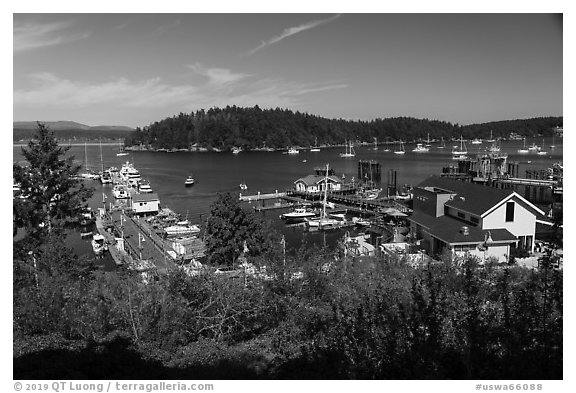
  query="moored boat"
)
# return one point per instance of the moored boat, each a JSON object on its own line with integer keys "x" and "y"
{"x": 189, "y": 181}
{"x": 99, "y": 244}
{"x": 182, "y": 229}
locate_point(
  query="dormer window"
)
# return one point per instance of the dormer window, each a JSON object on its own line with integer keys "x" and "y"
{"x": 510, "y": 212}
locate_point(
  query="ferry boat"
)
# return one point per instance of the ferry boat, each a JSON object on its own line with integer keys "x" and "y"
{"x": 420, "y": 148}
{"x": 189, "y": 181}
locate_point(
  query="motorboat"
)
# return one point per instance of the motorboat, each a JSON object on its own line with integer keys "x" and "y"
{"x": 293, "y": 150}
{"x": 420, "y": 148}
{"x": 120, "y": 192}
{"x": 349, "y": 151}
{"x": 98, "y": 244}
{"x": 189, "y": 181}
{"x": 299, "y": 213}
{"x": 459, "y": 157}
{"x": 128, "y": 172}
{"x": 144, "y": 188}
{"x": 533, "y": 147}
{"x": 106, "y": 178}
{"x": 243, "y": 186}
{"x": 182, "y": 229}
{"x": 476, "y": 141}
{"x": 361, "y": 221}
{"x": 236, "y": 150}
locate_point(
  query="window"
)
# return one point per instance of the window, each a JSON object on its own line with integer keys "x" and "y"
{"x": 510, "y": 212}
{"x": 474, "y": 220}
{"x": 461, "y": 215}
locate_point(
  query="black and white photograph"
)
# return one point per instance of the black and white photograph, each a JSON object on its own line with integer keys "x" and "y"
{"x": 206, "y": 196}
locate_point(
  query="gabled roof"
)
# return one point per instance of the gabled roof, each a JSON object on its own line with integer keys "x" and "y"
{"x": 448, "y": 229}
{"x": 476, "y": 198}
{"x": 145, "y": 197}
{"x": 316, "y": 179}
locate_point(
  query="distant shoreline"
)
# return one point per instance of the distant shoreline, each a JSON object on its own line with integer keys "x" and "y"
{"x": 73, "y": 144}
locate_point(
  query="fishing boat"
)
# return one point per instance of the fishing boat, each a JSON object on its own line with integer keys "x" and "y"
{"x": 400, "y": 149}
{"x": 98, "y": 244}
{"x": 293, "y": 150}
{"x": 122, "y": 152}
{"x": 461, "y": 150}
{"x": 189, "y": 181}
{"x": 349, "y": 150}
{"x": 315, "y": 148}
{"x": 420, "y": 149}
{"x": 524, "y": 150}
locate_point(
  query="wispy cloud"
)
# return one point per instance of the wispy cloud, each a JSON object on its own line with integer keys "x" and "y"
{"x": 291, "y": 31}
{"x": 28, "y": 36}
{"x": 223, "y": 87}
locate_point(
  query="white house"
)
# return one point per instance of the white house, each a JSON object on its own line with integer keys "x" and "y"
{"x": 471, "y": 218}
{"x": 316, "y": 183}
{"x": 145, "y": 203}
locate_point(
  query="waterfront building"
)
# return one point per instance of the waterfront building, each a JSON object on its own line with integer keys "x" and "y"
{"x": 145, "y": 203}
{"x": 316, "y": 183}
{"x": 472, "y": 219}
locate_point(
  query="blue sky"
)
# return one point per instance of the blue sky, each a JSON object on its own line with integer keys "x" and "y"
{"x": 133, "y": 69}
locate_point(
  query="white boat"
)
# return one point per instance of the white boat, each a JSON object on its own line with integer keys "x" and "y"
{"x": 361, "y": 221}
{"x": 315, "y": 148}
{"x": 122, "y": 152}
{"x": 420, "y": 149}
{"x": 189, "y": 181}
{"x": 298, "y": 213}
{"x": 523, "y": 150}
{"x": 98, "y": 244}
{"x": 476, "y": 141}
{"x": 400, "y": 149}
{"x": 349, "y": 152}
{"x": 243, "y": 186}
{"x": 120, "y": 192}
{"x": 534, "y": 147}
{"x": 182, "y": 230}
{"x": 428, "y": 141}
{"x": 540, "y": 151}
{"x": 106, "y": 178}
{"x": 144, "y": 188}
{"x": 128, "y": 172}
{"x": 491, "y": 140}
{"x": 236, "y": 150}
{"x": 494, "y": 148}
{"x": 461, "y": 150}
{"x": 293, "y": 150}
{"x": 459, "y": 157}
{"x": 553, "y": 145}
{"x": 375, "y": 144}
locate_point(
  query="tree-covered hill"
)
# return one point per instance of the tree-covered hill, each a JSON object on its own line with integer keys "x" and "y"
{"x": 254, "y": 127}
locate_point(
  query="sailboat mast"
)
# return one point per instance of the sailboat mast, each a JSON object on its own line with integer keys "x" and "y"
{"x": 101, "y": 161}
{"x": 85, "y": 157}
{"x": 325, "y": 193}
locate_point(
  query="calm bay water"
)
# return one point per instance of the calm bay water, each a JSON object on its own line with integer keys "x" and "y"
{"x": 270, "y": 171}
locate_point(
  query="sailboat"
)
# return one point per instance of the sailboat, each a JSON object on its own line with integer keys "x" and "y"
{"x": 88, "y": 174}
{"x": 324, "y": 222}
{"x": 491, "y": 140}
{"x": 442, "y": 145}
{"x": 375, "y": 144}
{"x": 553, "y": 145}
{"x": 533, "y": 147}
{"x": 420, "y": 149}
{"x": 349, "y": 151}
{"x": 122, "y": 152}
{"x": 523, "y": 150}
{"x": 428, "y": 141}
{"x": 540, "y": 151}
{"x": 315, "y": 148}
{"x": 105, "y": 177}
{"x": 400, "y": 149}
{"x": 462, "y": 150}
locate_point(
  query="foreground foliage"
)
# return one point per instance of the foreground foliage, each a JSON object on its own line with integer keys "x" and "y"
{"x": 337, "y": 318}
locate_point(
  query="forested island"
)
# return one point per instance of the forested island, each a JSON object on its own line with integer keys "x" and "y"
{"x": 255, "y": 128}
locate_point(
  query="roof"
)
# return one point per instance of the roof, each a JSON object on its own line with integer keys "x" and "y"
{"x": 475, "y": 198}
{"x": 145, "y": 197}
{"x": 316, "y": 179}
{"x": 448, "y": 229}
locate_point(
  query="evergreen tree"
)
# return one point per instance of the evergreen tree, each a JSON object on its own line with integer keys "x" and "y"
{"x": 50, "y": 189}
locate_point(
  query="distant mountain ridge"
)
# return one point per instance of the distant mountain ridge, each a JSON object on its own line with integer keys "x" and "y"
{"x": 66, "y": 125}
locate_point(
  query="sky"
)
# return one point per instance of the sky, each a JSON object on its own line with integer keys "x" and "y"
{"x": 134, "y": 69}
